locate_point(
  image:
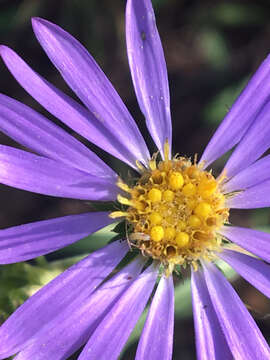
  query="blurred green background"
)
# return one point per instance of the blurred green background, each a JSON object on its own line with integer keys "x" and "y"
{"x": 211, "y": 49}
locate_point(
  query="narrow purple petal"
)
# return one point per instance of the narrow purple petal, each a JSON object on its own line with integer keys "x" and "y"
{"x": 253, "y": 270}
{"x": 251, "y": 176}
{"x": 156, "y": 341}
{"x": 90, "y": 84}
{"x": 148, "y": 70}
{"x": 210, "y": 340}
{"x": 242, "y": 334}
{"x": 255, "y": 142}
{"x": 257, "y": 196}
{"x": 72, "y": 327}
{"x": 34, "y": 173}
{"x": 257, "y": 242}
{"x": 24, "y": 242}
{"x": 105, "y": 135}
{"x": 113, "y": 331}
{"x": 34, "y": 131}
{"x": 79, "y": 280}
{"x": 241, "y": 115}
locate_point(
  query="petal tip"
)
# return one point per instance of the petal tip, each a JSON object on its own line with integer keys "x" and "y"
{"x": 36, "y": 19}
{"x": 38, "y": 22}
{"x": 4, "y": 49}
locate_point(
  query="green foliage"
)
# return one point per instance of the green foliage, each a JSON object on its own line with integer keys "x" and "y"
{"x": 237, "y": 14}
{"x": 259, "y": 218}
{"x": 19, "y": 281}
{"x": 216, "y": 110}
{"x": 214, "y": 47}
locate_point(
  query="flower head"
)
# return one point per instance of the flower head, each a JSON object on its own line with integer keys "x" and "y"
{"x": 176, "y": 212}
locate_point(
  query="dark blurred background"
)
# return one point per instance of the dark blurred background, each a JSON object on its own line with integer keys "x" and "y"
{"x": 211, "y": 49}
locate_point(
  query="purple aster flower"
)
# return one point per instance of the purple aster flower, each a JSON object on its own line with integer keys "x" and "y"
{"x": 176, "y": 212}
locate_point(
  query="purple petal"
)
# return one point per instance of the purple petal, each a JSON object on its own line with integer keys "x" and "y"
{"x": 90, "y": 84}
{"x": 148, "y": 70}
{"x": 156, "y": 341}
{"x": 253, "y": 270}
{"x": 251, "y": 176}
{"x": 28, "y": 241}
{"x": 30, "y": 172}
{"x": 105, "y": 135}
{"x": 242, "y": 334}
{"x": 254, "y": 197}
{"x": 33, "y": 130}
{"x": 241, "y": 115}
{"x": 257, "y": 242}
{"x": 255, "y": 142}
{"x": 210, "y": 340}
{"x": 79, "y": 280}
{"x": 114, "y": 330}
{"x": 72, "y": 327}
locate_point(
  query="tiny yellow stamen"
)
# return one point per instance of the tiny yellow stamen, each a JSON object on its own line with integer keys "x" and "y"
{"x": 154, "y": 195}
{"x": 123, "y": 200}
{"x": 157, "y": 233}
{"x": 182, "y": 239}
{"x": 152, "y": 164}
{"x": 166, "y": 150}
{"x": 193, "y": 172}
{"x": 140, "y": 205}
{"x": 157, "y": 177}
{"x": 117, "y": 214}
{"x": 140, "y": 165}
{"x": 123, "y": 186}
{"x": 176, "y": 180}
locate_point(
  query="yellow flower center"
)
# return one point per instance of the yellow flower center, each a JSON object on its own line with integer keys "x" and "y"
{"x": 175, "y": 210}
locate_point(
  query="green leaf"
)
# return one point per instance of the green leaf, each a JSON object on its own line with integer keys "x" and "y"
{"x": 19, "y": 281}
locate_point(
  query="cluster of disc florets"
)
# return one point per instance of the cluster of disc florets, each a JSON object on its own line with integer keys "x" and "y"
{"x": 175, "y": 210}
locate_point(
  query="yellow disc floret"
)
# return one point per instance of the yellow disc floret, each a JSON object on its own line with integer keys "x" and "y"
{"x": 176, "y": 180}
{"x": 174, "y": 212}
{"x": 182, "y": 239}
{"x": 194, "y": 221}
{"x": 203, "y": 209}
{"x": 168, "y": 195}
{"x": 157, "y": 233}
{"x": 155, "y": 195}
{"x": 155, "y": 218}
{"x": 169, "y": 233}
{"x": 189, "y": 189}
